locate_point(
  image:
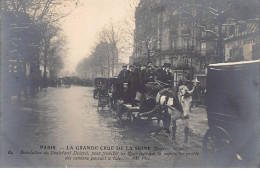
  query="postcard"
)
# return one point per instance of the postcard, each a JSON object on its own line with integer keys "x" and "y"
{"x": 129, "y": 84}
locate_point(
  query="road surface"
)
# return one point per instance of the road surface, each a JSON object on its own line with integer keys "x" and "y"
{"x": 46, "y": 130}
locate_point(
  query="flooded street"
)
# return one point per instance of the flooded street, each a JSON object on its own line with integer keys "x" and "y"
{"x": 60, "y": 120}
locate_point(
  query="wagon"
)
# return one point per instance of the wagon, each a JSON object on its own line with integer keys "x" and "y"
{"x": 144, "y": 110}
{"x": 99, "y": 83}
{"x": 103, "y": 100}
{"x": 232, "y": 99}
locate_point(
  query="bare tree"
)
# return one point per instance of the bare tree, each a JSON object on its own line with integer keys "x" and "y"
{"x": 111, "y": 37}
{"x": 39, "y": 10}
{"x": 127, "y": 25}
{"x": 42, "y": 17}
{"x": 56, "y": 53}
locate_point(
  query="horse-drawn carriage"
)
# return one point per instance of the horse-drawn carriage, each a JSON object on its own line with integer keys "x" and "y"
{"x": 160, "y": 103}
{"x": 102, "y": 92}
{"x": 144, "y": 106}
{"x": 232, "y": 99}
{"x": 99, "y": 84}
{"x": 64, "y": 82}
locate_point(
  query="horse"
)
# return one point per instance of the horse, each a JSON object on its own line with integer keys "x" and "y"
{"x": 173, "y": 104}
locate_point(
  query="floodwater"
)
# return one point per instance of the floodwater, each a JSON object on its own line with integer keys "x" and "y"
{"x": 55, "y": 123}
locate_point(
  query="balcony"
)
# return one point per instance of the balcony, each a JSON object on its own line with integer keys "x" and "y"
{"x": 208, "y": 52}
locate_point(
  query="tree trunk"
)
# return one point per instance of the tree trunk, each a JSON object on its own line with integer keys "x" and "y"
{"x": 44, "y": 77}
{"x": 221, "y": 57}
{"x": 148, "y": 52}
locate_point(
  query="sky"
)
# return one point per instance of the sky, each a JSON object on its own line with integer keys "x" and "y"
{"x": 82, "y": 27}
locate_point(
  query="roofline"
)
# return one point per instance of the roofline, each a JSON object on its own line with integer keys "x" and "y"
{"x": 235, "y": 63}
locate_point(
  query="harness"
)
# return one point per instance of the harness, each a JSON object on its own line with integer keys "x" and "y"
{"x": 168, "y": 93}
{"x": 176, "y": 103}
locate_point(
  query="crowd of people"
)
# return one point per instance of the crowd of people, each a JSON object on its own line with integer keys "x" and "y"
{"x": 146, "y": 73}
{"x": 136, "y": 77}
{"x": 136, "y": 82}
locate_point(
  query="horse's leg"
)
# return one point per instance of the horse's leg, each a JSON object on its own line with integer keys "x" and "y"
{"x": 159, "y": 112}
{"x": 174, "y": 128}
{"x": 185, "y": 121}
{"x": 166, "y": 122}
{"x": 175, "y": 115}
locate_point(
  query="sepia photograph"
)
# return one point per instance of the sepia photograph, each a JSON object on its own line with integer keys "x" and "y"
{"x": 129, "y": 84}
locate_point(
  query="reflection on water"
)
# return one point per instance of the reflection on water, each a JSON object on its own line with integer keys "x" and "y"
{"x": 68, "y": 117}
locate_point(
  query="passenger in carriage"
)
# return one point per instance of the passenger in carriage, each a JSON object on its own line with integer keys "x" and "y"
{"x": 124, "y": 74}
{"x": 104, "y": 90}
{"x": 151, "y": 73}
{"x": 164, "y": 74}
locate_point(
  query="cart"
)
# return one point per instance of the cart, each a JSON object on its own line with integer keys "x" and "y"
{"x": 143, "y": 110}
{"x": 103, "y": 101}
{"x": 103, "y": 95}
{"x": 232, "y": 99}
{"x": 99, "y": 83}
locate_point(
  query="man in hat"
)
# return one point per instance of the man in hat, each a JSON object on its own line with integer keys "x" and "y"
{"x": 164, "y": 74}
{"x": 135, "y": 83}
{"x": 196, "y": 92}
{"x": 151, "y": 73}
{"x": 124, "y": 74}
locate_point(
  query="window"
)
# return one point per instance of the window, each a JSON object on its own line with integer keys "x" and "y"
{"x": 241, "y": 51}
{"x": 256, "y": 51}
{"x": 237, "y": 54}
{"x": 203, "y": 48}
{"x": 230, "y": 53}
{"x": 184, "y": 44}
{"x": 231, "y": 30}
{"x": 203, "y": 34}
{"x": 173, "y": 45}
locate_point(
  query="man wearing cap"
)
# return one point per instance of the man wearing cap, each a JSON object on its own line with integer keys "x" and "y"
{"x": 124, "y": 74}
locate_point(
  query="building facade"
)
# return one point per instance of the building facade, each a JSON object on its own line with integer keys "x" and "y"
{"x": 244, "y": 43}
{"x": 166, "y": 34}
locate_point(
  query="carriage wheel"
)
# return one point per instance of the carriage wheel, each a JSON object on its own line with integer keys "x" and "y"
{"x": 127, "y": 119}
{"x": 218, "y": 149}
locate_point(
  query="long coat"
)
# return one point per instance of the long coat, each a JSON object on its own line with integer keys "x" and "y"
{"x": 134, "y": 83}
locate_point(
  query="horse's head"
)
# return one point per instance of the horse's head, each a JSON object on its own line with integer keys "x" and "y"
{"x": 185, "y": 98}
